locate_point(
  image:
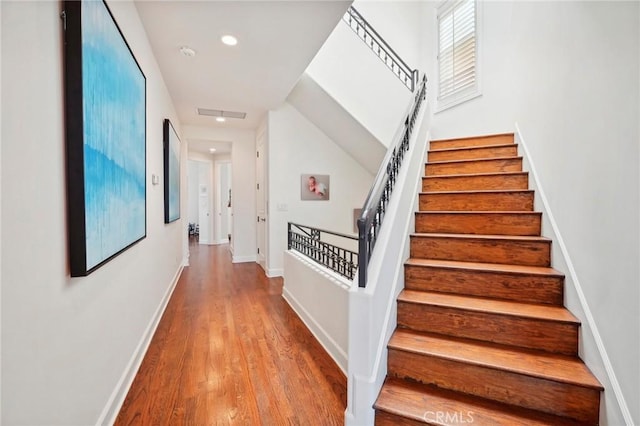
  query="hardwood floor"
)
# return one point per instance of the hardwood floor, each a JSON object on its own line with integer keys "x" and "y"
{"x": 229, "y": 350}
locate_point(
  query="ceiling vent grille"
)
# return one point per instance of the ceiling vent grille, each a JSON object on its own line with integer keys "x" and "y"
{"x": 221, "y": 113}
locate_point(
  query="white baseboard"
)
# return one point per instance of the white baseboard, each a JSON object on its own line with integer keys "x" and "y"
{"x": 243, "y": 259}
{"x": 112, "y": 408}
{"x": 219, "y": 242}
{"x": 329, "y": 345}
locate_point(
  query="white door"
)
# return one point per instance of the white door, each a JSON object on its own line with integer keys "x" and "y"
{"x": 204, "y": 203}
{"x": 261, "y": 201}
{"x": 193, "y": 185}
{"x": 204, "y": 215}
{"x": 224, "y": 201}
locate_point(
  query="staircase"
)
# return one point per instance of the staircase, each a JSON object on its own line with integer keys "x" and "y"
{"x": 483, "y": 337}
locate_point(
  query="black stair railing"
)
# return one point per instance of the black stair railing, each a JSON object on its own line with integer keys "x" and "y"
{"x": 376, "y": 203}
{"x": 312, "y": 243}
{"x": 381, "y": 48}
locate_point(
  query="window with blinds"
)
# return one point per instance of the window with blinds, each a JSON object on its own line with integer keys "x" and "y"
{"x": 457, "y": 52}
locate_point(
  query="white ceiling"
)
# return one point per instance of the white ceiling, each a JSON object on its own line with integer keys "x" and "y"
{"x": 276, "y": 42}
{"x": 204, "y": 146}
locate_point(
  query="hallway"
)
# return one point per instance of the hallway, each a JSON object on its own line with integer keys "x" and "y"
{"x": 229, "y": 350}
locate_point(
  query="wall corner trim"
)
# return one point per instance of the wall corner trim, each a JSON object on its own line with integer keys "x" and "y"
{"x": 113, "y": 405}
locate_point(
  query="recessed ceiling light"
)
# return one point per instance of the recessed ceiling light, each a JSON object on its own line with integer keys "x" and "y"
{"x": 187, "y": 51}
{"x": 220, "y": 119}
{"x": 212, "y": 150}
{"x": 229, "y": 40}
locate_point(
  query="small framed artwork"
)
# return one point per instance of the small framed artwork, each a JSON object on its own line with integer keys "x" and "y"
{"x": 105, "y": 125}
{"x": 171, "y": 149}
{"x": 314, "y": 187}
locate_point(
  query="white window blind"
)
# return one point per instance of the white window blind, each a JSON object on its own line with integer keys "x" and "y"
{"x": 457, "y": 50}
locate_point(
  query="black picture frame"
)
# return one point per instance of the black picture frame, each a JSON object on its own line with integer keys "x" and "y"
{"x": 105, "y": 132}
{"x": 171, "y": 157}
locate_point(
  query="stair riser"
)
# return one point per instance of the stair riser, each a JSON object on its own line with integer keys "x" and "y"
{"x": 474, "y": 183}
{"x": 387, "y": 419}
{"x": 479, "y": 223}
{"x": 517, "y": 287}
{"x": 417, "y": 403}
{"x": 475, "y": 153}
{"x": 477, "y": 201}
{"x": 530, "y": 253}
{"x": 577, "y": 402}
{"x": 476, "y": 166}
{"x": 530, "y": 333}
{"x": 463, "y": 143}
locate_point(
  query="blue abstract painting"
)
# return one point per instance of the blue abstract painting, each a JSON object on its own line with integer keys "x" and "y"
{"x": 171, "y": 173}
{"x": 114, "y": 135}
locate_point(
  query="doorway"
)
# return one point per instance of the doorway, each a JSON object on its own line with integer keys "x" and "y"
{"x": 261, "y": 200}
{"x": 224, "y": 204}
{"x": 200, "y": 200}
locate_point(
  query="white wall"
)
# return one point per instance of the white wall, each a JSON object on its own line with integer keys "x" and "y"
{"x": 348, "y": 70}
{"x": 243, "y": 181}
{"x": 322, "y": 109}
{"x": 400, "y": 23}
{"x": 568, "y": 74}
{"x": 70, "y": 346}
{"x": 298, "y": 147}
{"x": 0, "y": 220}
{"x": 320, "y": 297}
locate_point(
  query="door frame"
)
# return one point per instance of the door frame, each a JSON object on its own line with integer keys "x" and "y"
{"x": 209, "y": 186}
{"x": 219, "y": 197}
{"x": 262, "y": 212}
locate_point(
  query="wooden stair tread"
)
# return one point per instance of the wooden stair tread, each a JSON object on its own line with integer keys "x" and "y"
{"x": 475, "y": 180}
{"x": 484, "y": 237}
{"x": 478, "y": 222}
{"x": 473, "y": 160}
{"x": 477, "y": 200}
{"x": 416, "y": 401}
{"x": 481, "y": 325}
{"x": 480, "y": 212}
{"x": 531, "y": 250}
{"x": 494, "y": 135}
{"x": 489, "y": 267}
{"x": 475, "y": 174}
{"x": 553, "y": 367}
{"x": 457, "y": 152}
{"x": 481, "y": 191}
{"x": 500, "y": 145}
{"x": 493, "y": 306}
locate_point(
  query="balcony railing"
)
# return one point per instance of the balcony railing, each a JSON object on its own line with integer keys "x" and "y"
{"x": 380, "y": 47}
{"x": 376, "y": 204}
{"x": 314, "y": 243}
